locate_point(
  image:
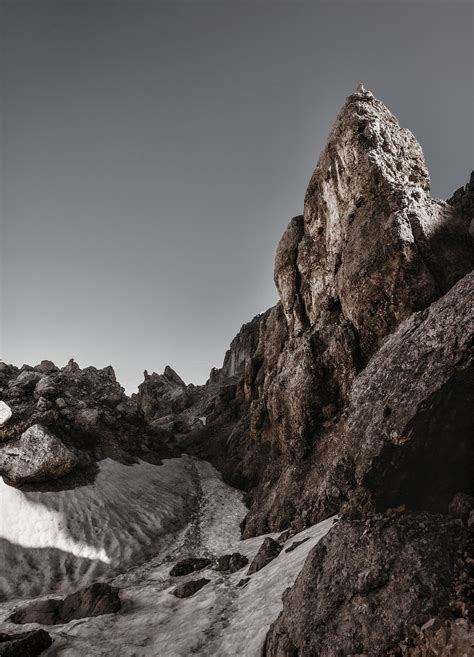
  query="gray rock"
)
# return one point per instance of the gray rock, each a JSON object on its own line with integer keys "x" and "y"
{"x": 87, "y": 419}
{"x": 45, "y": 388}
{"x": 95, "y": 600}
{"x": 26, "y": 380}
{"x": 38, "y": 455}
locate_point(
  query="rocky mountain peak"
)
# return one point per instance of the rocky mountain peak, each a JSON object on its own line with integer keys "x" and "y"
{"x": 372, "y": 241}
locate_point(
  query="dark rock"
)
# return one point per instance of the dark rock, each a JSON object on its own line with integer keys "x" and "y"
{"x": 231, "y": 562}
{"x": 268, "y": 551}
{"x": 461, "y": 506}
{"x": 187, "y": 589}
{"x": 95, "y": 600}
{"x": 45, "y": 388}
{"x": 296, "y": 544}
{"x": 190, "y": 565}
{"x": 243, "y": 582}
{"x": 46, "y": 367}
{"x": 27, "y": 644}
{"x": 287, "y": 534}
{"x": 366, "y": 584}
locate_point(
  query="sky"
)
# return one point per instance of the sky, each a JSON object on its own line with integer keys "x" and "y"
{"x": 152, "y": 154}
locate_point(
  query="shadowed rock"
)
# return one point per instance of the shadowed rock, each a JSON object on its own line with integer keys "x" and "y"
{"x": 190, "y": 565}
{"x": 187, "y": 589}
{"x": 231, "y": 562}
{"x": 95, "y": 600}
{"x": 27, "y": 644}
{"x": 367, "y": 584}
{"x": 268, "y": 551}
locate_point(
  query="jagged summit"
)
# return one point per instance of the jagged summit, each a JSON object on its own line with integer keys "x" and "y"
{"x": 369, "y": 217}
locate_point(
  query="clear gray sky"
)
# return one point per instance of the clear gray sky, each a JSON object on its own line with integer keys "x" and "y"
{"x": 153, "y": 153}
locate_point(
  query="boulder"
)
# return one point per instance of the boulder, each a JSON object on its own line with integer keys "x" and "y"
{"x": 27, "y": 644}
{"x": 45, "y": 388}
{"x": 367, "y": 584}
{"x": 231, "y": 562}
{"x": 268, "y": 551}
{"x": 187, "y": 589}
{"x": 190, "y": 565}
{"x": 38, "y": 455}
{"x": 26, "y": 380}
{"x": 95, "y": 600}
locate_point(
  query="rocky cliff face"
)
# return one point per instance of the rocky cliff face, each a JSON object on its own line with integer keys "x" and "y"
{"x": 372, "y": 249}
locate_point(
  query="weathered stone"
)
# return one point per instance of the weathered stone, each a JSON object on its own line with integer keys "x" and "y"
{"x": 187, "y": 589}
{"x": 87, "y": 419}
{"x": 45, "y": 387}
{"x": 371, "y": 249}
{"x": 268, "y": 551}
{"x": 420, "y": 454}
{"x": 190, "y": 565}
{"x": 95, "y": 600}
{"x": 37, "y": 456}
{"x": 366, "y": 584}
{"x": 26, "y": 644}
{"x": 231, "y": 562}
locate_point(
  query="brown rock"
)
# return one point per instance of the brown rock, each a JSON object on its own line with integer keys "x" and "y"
{"x": 268, "y": 551}
{"x": 364, "y": 586}
{"x": 461, "y": 506}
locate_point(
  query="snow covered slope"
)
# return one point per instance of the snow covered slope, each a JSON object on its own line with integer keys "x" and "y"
{"x": 128, "y": 511}
{"x": 52, "y": 541}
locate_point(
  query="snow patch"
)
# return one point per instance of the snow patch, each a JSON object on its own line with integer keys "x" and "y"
{"x": 5, "y": 413}
{"x": 55, "y": 539}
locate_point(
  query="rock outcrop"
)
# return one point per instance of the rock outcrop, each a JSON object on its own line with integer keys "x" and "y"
{"x": 56, "y": 423}
{"x": 368, "y": 585}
